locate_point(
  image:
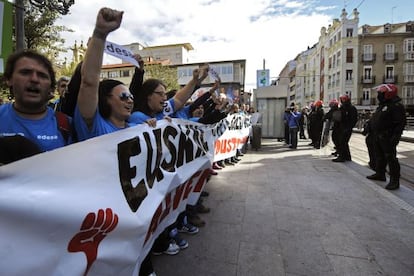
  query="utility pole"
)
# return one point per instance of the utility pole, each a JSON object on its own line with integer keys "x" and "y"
{"x": 19, "y": 5}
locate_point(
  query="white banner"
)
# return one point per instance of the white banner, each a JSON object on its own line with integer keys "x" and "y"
{"x": 235, "y": 136}
{"x": 120, "y": 52}
{"x": 95, "y": 207}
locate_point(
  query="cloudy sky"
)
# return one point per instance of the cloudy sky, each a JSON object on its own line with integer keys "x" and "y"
{"x": 255, "y": 30}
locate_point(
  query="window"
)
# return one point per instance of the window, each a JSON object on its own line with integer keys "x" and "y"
{"x": 387, "y": 28}
{"x": 408, "y": 72}
{"x": 389, "y": 51}
{"x": 348, "y": 75}
{"x": 408, "y": 94}
{"x": 113, "y": 74}
{"x": 349, "y": 55}
{"x": 367, "y": 73}
{"x": 349, "y": 32}
{"x": 409, "y": 48}
{"x": 389, "y": 72}
{"x": 338, "y": 58}
{"x": 125, "y": 73}
{"x": 367, "y": 52}
{"x": 366, "y": 94}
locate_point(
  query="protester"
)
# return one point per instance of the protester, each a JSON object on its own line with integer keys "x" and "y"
{"x": 152, "y": 103}
{"x": 62, "y": 85}
{"x": 302, "y": 123}
{"x": 292, "y": 119}
{"x": 349, "y": 117}
{"x": 103, "y": 107}
{"x": 30, "y": 78}
{"x": 387, "y": 125}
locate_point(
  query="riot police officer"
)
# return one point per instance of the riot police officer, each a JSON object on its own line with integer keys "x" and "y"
{"x": 387, "y": 125}
{"x": 349, "y": 117}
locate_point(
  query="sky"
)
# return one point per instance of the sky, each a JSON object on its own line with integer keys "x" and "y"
{"x": 266, "y": 33}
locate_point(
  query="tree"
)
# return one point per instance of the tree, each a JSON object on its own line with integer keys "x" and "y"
{"x": 165, "y": 73}
{"x": 41, "y": 34}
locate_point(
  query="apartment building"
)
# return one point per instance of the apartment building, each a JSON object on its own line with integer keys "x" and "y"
{"x": 328, "y": 69}
{"x": 352, "y": 60}
{"x": 386, "y": 56}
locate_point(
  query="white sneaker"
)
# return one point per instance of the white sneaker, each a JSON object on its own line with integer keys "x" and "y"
{"x": 172, "y": 249}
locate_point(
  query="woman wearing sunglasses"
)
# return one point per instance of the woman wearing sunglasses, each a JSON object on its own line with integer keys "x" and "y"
{"x": 152, "y": 103}
{"x": 102, "y": 107}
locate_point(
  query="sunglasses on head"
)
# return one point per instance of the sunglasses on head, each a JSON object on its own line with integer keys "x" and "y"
{"x": 124, "y": 96}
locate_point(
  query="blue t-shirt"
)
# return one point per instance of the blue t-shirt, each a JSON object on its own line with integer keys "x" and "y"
{"x": 139, "y": 117}
{"x": 183, "y": 113}
{"x": 100, "y": 126}
{"x": 43, "y": 132}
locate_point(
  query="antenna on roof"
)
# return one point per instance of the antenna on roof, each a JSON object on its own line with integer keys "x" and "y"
{"x": 392, "y": 14}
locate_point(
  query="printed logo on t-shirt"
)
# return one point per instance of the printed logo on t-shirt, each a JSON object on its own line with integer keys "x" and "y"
{"x": 167, "y": 108}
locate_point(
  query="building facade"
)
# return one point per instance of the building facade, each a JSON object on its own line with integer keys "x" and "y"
{"x": 387, "y": 56}
{"x": 352, "y": 60}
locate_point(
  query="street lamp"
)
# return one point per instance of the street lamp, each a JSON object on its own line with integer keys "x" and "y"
{"x": 61, "y": 6}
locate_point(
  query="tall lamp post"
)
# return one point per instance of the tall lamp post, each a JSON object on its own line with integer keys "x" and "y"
{"x": 61, "y": 6}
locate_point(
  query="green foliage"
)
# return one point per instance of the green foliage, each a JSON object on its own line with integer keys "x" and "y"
{"x": 41, "y": 34}
{"x": 165, "y": 73}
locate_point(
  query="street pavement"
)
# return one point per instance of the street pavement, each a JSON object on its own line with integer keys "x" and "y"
{"x": 294, "y": 212}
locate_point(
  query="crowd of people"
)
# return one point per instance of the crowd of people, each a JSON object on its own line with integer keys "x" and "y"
{"x": 89, "y": 107}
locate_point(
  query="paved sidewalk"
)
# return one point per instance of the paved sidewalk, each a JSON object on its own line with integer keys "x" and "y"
{"x": 294, "y": 212}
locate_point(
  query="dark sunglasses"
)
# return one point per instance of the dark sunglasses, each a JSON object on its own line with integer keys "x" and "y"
{"x": 124, "y": 96}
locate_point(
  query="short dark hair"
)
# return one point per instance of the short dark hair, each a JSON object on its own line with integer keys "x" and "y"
{"x": 13, "y": 58}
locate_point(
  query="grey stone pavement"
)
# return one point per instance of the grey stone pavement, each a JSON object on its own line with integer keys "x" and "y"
{"x": 294, "y": 212}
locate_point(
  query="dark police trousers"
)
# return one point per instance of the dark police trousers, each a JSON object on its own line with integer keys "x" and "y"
{"x": 386, "y": 153}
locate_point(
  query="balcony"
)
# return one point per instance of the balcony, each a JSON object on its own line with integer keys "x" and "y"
{"x": 390, "y": 79}
{"x": 409, "y": 56}
{"x": 367, "y": 79}
{"x": 368, "y": 57}
{"x": 408, "y": 78}
{"x": 349, "y": 82}
{"x": 408, "y": 101}
{"x": 390, "y": 56}
{"x": 367, "y": 102}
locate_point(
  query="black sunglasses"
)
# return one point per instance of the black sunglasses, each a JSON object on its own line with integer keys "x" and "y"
{"x": 124, "y": 96}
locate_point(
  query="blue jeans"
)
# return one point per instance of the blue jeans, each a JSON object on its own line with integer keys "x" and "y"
{"x": 293, "y": 135}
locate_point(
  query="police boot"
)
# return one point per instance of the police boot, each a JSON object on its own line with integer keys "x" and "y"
{"x": 376, "y": 176}
{"x": 394, "y": 184}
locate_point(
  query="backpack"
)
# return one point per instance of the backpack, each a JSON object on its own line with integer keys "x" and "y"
{"x": 65, "y": 127}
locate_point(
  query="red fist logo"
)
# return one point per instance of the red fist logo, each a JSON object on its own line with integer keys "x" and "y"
{"x": 94, "y": 229}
